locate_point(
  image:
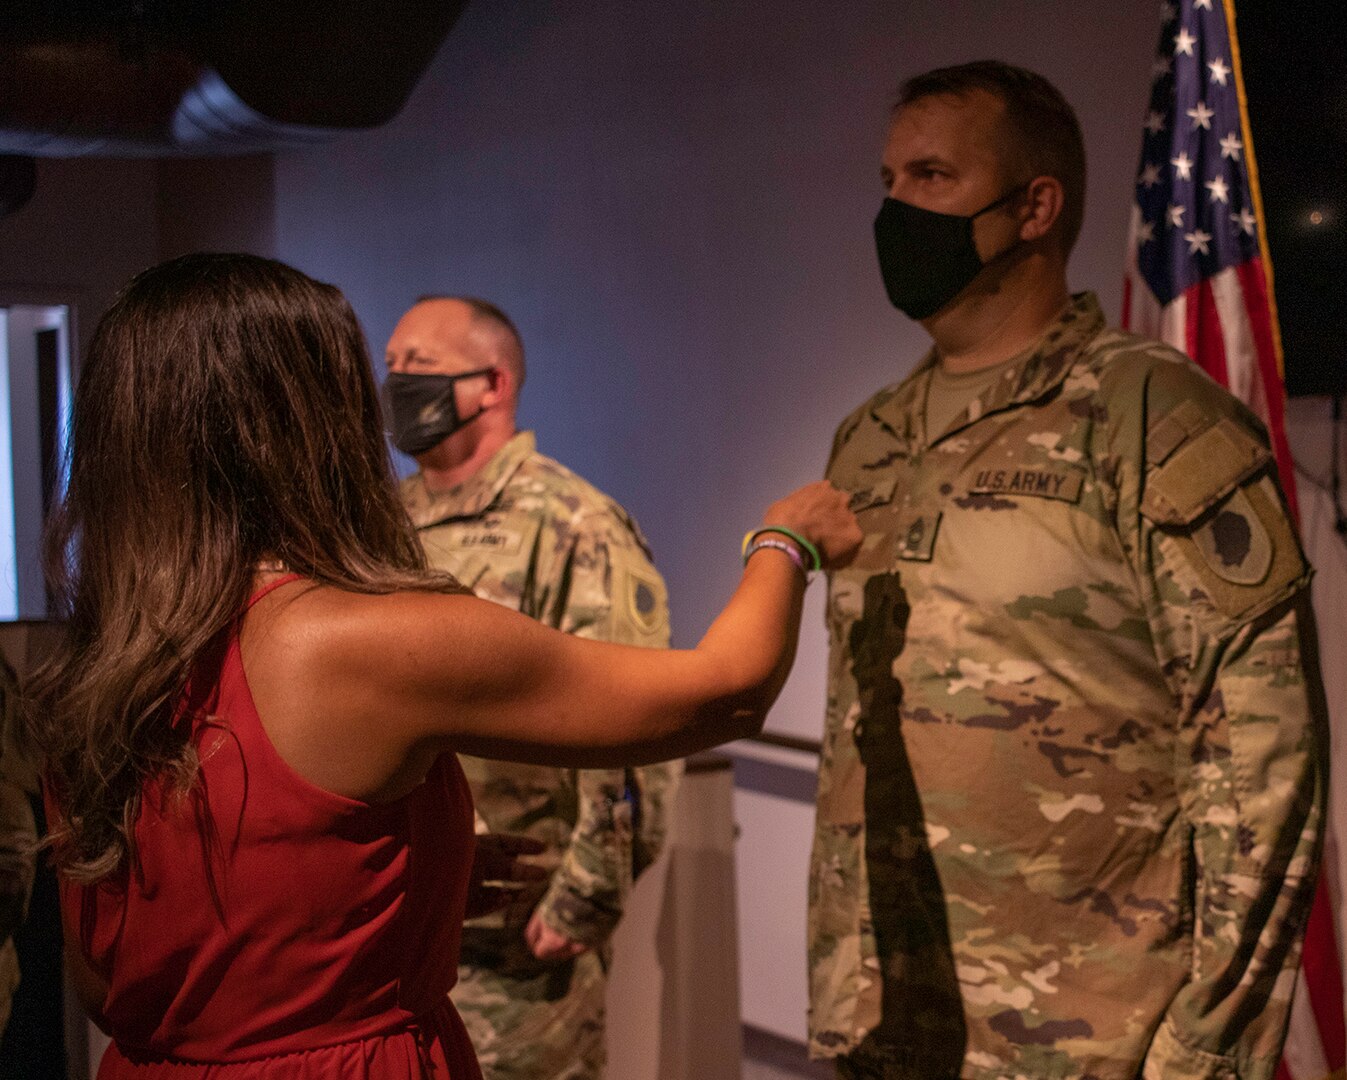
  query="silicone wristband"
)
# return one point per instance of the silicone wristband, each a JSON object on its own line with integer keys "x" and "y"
{"x": 778, "y": 545}
{"x": 815, "y": 560}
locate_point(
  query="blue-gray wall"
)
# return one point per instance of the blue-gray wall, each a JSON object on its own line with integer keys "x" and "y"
{"x": 675, "y": 203}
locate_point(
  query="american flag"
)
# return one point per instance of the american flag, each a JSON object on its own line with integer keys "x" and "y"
{"x": 1199, "y": 278}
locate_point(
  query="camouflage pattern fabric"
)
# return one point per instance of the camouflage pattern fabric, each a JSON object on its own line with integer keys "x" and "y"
{"x": 1070, "y": 799}
{"x": 527, "y": 533}
{"x": 18, "y": 834}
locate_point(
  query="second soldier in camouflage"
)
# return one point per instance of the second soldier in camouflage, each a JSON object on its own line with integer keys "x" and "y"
{"x": 527, "y": 533}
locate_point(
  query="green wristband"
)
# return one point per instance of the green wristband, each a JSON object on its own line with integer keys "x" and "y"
{"x": 815, "y": 560}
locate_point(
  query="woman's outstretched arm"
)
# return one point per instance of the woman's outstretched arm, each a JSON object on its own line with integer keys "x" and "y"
{"x": 454, "y": 672}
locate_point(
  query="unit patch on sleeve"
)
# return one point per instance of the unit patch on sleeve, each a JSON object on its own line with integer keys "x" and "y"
{"x": 640, "y": 602}
{"x": 1235, "y": 543}
{"x": 1244, "y": 552}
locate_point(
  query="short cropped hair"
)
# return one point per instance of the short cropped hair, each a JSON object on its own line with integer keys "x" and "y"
{"x": 1043, "y": 136}
{"x": 509, "y": 342}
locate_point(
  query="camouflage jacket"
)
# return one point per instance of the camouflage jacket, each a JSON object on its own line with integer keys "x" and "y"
{"x": 18, "y": 834}
{"x": 1070, "y": 799}
{"x": 529, "y": 534}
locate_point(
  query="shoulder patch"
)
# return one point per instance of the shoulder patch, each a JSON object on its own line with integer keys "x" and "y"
{"x": 640, "y": 611}
{"x": 1245, "y": 555}
{"x": 1235, "y": 543}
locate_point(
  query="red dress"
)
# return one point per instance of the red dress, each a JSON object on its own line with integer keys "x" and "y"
{"x": 272, "y": 930}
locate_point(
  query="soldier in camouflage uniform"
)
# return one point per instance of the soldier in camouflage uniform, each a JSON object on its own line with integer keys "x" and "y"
{"x": 1070, "y": 800}
{"x": 18, "y": 834}
{"x": 527, "y": 533}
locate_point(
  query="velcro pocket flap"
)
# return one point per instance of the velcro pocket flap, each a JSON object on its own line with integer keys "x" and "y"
{"x": 1202, "y": 472}
{"x": 877, "y": 494}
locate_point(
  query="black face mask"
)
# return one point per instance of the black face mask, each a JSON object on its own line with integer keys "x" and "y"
{"x": 928, "y": 258}
{"x": 421, "y": 411}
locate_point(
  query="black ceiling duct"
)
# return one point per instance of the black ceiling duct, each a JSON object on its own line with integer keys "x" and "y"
{"x": 161, "y": 77}
{"x": 18, "y": 179}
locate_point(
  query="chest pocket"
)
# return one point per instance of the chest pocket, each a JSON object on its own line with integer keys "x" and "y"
{"x": 877, "y": 494}
{"x": 894, "y": 531}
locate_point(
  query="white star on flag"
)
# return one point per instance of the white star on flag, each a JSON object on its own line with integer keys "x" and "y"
{"x": 1176, "y": 216}
{"x": 1198, "y": 5}
{"x": 1220, "y": 190}
{"x": 1150, "y": 176}
{"x": 1231, "y": 146}
{"x": 1155, "y": 122}
{"x": 1182, "y": 165}
{"x": 1219, "y": 72}
{"x": 1197, "y": 241}
{"x": 1184, "y": 42}
{"x": 1145, "y": 232}
{"x": 1201, "y": 116}
{"x": 1245, "y": 220}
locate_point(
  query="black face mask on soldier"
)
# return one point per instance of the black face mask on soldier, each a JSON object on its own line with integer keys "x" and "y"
{"x": 928, "y": 258}
{"x": 421, "y": 411}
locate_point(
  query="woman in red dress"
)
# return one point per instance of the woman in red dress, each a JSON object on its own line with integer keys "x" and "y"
{"x": 264, "y": 837}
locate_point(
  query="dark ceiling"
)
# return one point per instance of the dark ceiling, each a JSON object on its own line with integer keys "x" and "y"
{"x": 1298, "y": 111}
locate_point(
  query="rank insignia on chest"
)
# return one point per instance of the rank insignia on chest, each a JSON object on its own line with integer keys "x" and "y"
{"x": 916, "y": 536}
{"x": 1063, "y": 484}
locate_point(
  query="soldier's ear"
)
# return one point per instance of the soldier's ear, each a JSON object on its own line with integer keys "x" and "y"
{"x": 1042, "y": 206}
{"x": 502, "y": 387}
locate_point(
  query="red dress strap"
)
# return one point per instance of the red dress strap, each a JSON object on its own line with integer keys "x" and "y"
{"x": 284, "y": 579}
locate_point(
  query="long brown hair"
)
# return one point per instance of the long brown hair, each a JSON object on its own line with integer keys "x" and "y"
{"x": 226, "y": 414}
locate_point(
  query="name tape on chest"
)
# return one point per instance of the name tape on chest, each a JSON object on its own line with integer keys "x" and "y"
{"x": 1063, "y": 484}
{"x": 498, "y": 542}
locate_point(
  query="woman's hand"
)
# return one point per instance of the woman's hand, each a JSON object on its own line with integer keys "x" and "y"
{"x": 820, "y": 514}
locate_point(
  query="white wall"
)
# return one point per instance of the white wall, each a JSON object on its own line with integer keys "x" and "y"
{"x": 1310, "y": 431}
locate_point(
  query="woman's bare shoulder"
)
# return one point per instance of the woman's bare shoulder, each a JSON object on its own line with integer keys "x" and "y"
{"x": 335, "y": 633}
{"x": 336, "y": 680}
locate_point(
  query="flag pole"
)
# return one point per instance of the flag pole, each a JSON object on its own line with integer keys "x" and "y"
{"x": 1255, "y": 188}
